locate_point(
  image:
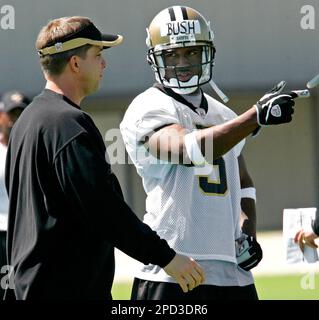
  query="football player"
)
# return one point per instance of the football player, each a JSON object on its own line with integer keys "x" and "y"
{"x": 187, "y": 147}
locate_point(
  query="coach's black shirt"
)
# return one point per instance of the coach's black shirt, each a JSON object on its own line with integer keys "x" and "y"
{"x": 66, "y": 209}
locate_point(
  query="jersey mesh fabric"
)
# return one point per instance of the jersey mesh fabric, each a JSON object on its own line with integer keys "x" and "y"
{"x": 185, "y": 205}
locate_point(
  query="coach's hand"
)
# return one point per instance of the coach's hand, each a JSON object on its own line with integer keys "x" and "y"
{"x": 186, "y": 271}
{"x": 248, "y": 252}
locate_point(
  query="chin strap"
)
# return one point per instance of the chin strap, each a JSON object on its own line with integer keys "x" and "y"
{"x": 220, "y": 93}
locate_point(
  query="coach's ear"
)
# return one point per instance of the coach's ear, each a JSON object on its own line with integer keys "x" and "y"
{"x": 75, "y": 64}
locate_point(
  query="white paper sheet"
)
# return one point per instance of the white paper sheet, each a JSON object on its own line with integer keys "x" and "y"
{"x": 293, "y": 221}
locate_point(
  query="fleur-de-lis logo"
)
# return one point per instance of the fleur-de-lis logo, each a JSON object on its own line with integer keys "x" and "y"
{"x": 58, "y": 46}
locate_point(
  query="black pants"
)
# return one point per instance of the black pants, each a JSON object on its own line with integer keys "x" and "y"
{"x": 3, "y": 258}
{"x": 151, "y": 290}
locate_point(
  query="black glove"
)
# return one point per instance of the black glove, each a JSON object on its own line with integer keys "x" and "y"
{"x": 248, "y": 252}
{"x": 275, "y": 107}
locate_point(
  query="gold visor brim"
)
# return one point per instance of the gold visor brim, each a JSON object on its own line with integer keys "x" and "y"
{"x": 78, "y": 42}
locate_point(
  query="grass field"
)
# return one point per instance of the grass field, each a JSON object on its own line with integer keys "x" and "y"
{"x": 288, "y": 287}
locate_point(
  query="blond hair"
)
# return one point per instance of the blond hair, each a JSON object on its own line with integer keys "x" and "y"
{"x": 51, "y": 33}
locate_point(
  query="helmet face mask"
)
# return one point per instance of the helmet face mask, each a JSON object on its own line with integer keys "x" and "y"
{"x": 180, "y": 27}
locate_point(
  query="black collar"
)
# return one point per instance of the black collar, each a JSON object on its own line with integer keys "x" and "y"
{"x": 181, "y": 99}
{"x": 61, "y": 96}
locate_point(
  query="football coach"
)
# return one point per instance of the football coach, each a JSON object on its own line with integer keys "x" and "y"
{"x": 66, "y": 210}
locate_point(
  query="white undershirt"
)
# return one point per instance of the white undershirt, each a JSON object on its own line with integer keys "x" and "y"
{"x": 194, "y": 99}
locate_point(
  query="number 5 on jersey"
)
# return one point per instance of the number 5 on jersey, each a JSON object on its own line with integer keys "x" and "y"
{"x": 216, "y": 187}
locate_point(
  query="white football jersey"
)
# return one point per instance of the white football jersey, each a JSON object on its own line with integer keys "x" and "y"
{"x": 197, "y": 210}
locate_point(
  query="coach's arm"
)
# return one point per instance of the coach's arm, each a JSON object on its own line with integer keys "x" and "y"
{"x": 92, "y": 193}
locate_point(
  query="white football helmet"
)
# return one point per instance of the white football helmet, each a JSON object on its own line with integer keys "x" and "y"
{"x": 177, "y": 27}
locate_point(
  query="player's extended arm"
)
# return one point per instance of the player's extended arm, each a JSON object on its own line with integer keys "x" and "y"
{"x": 169, "y": 142}
{"x": 213, "y": 142}
{"x": 186, "y": 271}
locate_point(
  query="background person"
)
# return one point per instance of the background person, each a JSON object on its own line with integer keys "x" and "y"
{"x": 307, "y": 238}
{"x": 12, "y": 103}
